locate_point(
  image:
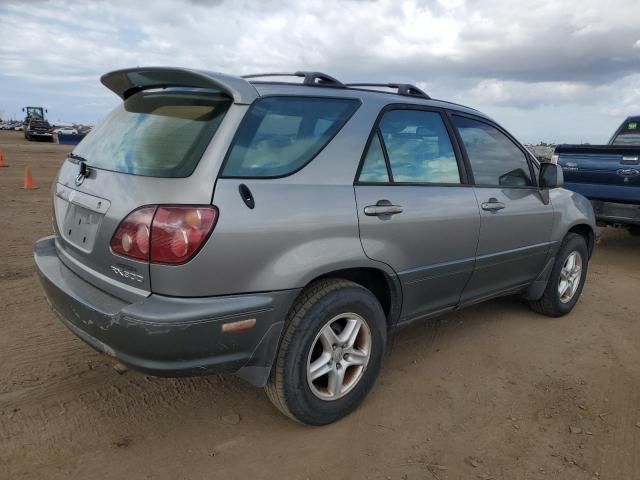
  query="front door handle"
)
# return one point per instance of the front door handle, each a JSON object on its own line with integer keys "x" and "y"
{"x": 382, "y": 208}
{"x": 493, "y": 205}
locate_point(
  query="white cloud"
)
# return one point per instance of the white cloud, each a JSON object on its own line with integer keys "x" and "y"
{"x": 500, "y": 55}
{"x": 531, "y": 95}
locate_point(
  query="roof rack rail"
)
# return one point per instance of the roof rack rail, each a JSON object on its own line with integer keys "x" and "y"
{"x": 404, "y": 89}
{"x": 316, "y": 79}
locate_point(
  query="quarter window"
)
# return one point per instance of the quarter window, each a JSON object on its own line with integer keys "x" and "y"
{"x": 374, "y": 168}
{"x": 280, "y": 135}
{"x": 495, "y": 160}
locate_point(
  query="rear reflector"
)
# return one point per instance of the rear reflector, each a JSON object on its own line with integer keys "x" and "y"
{"x": 164, "y": 234}
{"x": 239, "y": 326}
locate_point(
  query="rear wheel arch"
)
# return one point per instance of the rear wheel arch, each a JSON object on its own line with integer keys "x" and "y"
{"x": 318, "y": 305}
{"x": 385, "y": 287}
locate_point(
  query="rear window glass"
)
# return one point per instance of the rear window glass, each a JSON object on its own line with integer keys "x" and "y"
{"x": 280, "y": 135}
{"x": 629, "y": 135}
{"x": 158, "y": 134}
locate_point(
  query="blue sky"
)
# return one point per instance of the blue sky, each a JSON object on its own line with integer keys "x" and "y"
{"x": 547, "y": 70}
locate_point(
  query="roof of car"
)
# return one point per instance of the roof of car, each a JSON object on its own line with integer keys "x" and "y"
{"x": 286, "y": 88}
{"x": 246, "y": 89}
{"x": 311, "y": 83}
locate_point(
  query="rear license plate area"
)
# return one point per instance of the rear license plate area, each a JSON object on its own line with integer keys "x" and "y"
{"x": 80, "y": 226}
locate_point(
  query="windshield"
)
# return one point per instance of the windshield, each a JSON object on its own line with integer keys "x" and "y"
{"x": 34, "y": 112}
{"x": 157, "y": 134}
{"x": 629, "y": 135}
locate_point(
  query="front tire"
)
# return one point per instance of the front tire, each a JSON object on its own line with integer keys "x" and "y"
{"x": 566, "y": 280}
{"x": 330, "y": 354}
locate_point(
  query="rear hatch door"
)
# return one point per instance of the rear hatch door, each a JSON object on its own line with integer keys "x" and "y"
{"x": 155, "y": 148}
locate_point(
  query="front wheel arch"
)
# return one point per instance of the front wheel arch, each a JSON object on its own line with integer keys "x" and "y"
{"x": 536, "y": 290}
{"x": 587, "y": 232}
{"x": 550, "y": 303}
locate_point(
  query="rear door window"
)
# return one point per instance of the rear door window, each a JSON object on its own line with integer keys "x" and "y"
{"x": 158, "y": 134}
{"x": 280, "y": 135}
{"x": 495, "y": 160}
{"x": 418, "y": 150}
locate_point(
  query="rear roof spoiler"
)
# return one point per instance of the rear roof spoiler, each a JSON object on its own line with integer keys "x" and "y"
{"x": 125, "y": 83}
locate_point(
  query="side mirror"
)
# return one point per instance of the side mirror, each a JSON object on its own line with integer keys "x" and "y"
{"x": 551, "y": 176}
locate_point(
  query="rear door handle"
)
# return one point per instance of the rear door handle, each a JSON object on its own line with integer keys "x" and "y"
{"x": 381, "y": 208}
{"x": 493, "y": 205}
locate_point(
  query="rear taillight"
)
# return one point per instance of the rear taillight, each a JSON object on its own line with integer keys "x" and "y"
{"x": 178, "y": 233}
{"x": 554, "y": 158}
{"x": 132, "y": 236}
{"x": 164, "y": 234}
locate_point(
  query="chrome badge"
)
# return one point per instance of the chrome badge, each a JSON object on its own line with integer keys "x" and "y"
{"x": 628, "y": 172}
{"x": 128, "y": 274}
{"x": 570, "y": 166}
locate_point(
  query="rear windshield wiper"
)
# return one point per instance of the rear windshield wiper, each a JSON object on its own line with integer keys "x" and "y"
{"x": 76, "y": 157}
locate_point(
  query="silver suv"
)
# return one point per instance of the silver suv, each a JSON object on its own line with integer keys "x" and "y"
{"x": 281, "y": 231}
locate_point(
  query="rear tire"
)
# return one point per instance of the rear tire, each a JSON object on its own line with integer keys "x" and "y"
{"x": 566, "y": 280}
{"x": 330, "y": 354}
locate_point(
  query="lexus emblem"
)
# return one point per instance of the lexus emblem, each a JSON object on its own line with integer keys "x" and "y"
{"x": 628, "y": 172}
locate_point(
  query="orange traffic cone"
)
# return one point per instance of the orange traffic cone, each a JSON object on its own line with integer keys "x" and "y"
{"x": 2, "y": 162}
{"x": 28, "y": 180}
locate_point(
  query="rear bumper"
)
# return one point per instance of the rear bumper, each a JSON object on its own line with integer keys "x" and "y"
{"x": 616, "y": 213}
{"x": 167, "y": 336}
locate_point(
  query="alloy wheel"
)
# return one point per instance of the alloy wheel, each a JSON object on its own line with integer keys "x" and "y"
{"x": 339, "y": 356}
{"x": 570, "y": 277}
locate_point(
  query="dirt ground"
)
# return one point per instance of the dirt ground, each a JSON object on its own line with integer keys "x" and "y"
{"x": 491, "y": 392}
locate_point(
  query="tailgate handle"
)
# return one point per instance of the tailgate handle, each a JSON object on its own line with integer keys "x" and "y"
{"x": 493, "y": 205}
{"x": 382, "y": 208}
